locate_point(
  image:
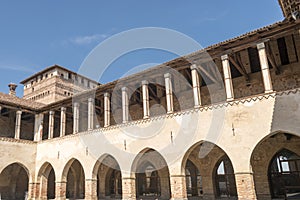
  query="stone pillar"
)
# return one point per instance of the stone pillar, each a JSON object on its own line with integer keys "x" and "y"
{"x": 63, "y": 121}
{"x": 169, "y": 94}
{"x": 91, "y": 189}
{"x": 18, "y": 124}
{"x": 91, "y": 112}
{"x": 178, "y": 187}
{"x": 106, "y": 109}
{"x": 60, "y": 190}
{"x": 76, "y": 118}
{"x": 128, "y": 188}
{"x": 227, "y": 78}
{"x": 146, "y": 104}
{"x": 196, "y": 86}
{"x": 51, "y": 124}
{"x": 33, "y": 190}
{"x": 245, "y": 186}
{"x": 38, "y": 127}
{"x": 265, "y": 67}
{"x": 125, "y": 104}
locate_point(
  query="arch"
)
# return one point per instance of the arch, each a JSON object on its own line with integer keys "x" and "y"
{"x": 74, "y": 176}
{"x": 109, "y": 179}
{"x": 284, "y": 175}
{"x": 152, "y": 175}
{"x": 199, "y": 164}
{"x": 14, "y": 181}
{"x": 262, "y": 157}
{"x": 46, "y": 178}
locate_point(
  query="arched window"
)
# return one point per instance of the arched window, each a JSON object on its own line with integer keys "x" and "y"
{"x": 193, "y": 180}
{"x": 224, "y": 179}
{"x": 284, "y": 175}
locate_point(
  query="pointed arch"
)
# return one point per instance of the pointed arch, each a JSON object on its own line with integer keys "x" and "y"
{"x": 46, "y": 178}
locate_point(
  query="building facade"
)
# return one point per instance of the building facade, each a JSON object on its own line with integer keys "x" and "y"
{"x": 223, "y": 126}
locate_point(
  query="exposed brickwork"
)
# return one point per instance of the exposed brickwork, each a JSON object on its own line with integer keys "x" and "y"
{"x": 245, "y": 186}
{"x": 60, "y": 190}
{"x": 91, "y": 189}
{"x": 178, "y": 187}
{"x": 128, "y": 188}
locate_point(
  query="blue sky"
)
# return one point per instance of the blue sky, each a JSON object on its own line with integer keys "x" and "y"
{"x": 37, "y": 34}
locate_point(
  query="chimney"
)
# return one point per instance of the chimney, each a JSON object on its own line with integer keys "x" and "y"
{"x": 12, "y": 89}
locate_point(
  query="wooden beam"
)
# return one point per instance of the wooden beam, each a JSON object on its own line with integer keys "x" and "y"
{"x": 239, "y": 68}
{"x": 271, "y": 58}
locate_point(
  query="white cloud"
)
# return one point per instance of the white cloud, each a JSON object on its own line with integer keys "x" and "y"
{"x": 84, "y": 40}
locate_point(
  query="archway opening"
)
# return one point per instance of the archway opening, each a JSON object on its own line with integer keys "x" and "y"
{"x": 208, "y": 173}
{"x": 109, "y": 179}
{"x": 284, "y": 175}
{"x": 46, "y": 177}
{"x": 275, "y": 164}
{"x": 75, "y": 188}
{"x": 152, "y": 176}
{"x": 14, "y": 182}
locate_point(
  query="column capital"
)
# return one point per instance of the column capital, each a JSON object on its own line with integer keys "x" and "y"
{"x": 76, "y": 104}
{"x": 106, "y": 94}
{"x": 167, "y": 75}
{"x": 51, "y": 112}
{"x": 261, "y": 46}
{"x": 91, "y": 99}
{"x": 19, "y": 112}
{"x": 63, "y": 109}
{"x": 145, "y": 82}
{"x": 224, "y": 57}
{"x": 193, "y": 67}
{"x": 124, "y": 89}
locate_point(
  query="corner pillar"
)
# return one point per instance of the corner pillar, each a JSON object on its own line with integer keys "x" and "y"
{"x": 60, "y": 190}
{"x": 245, "y": 186}
{"x": 178, "y": 187}
{"x": 38, "y": 127}
{"x": 128, "y": 188}
{"x": 91, "y": 189}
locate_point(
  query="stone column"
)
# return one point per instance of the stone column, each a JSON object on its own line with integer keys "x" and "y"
{"x": 146, "y": 105}
{"x": 196, "y": 86}
{"x": 106, "y": 109}
{"x": 265, "y": 67}
{"x": 62, "y": 121}
{"x": 60, "y": 190}
{"x": 38, "y": 127}
{"x": 76, "y": 118}
{"x": 128, "y": 188}
{"x": 125, "y": 104}
{"x": 18, "y": 124}
{"x": 178, "y": 187}
{"x": 227, "y": 78}
{"x": 169, "y": 94}
{"x": 51, "y": 124}
{"x": 91, "y": 112}
{"x": 245, "y": 186}
{"x": 90, "y": 189}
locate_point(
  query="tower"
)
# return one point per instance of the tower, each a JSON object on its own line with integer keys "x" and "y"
{"x": 290, "y": 9}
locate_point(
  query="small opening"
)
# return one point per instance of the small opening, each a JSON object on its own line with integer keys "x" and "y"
{"x": 254, "y": 59}
{"x": 283, "y": 51}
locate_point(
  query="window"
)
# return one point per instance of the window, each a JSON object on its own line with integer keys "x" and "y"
{"x": 69, "y": 76}
{"x": 225, "y": 179}
{"x": 283, "y": 51}
{"x": 254, "y": 59}
{"x": 284, "y": 175}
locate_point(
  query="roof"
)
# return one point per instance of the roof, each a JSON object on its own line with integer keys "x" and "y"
{"x": 50, "y": 68}
{"x": 19, "y": 102}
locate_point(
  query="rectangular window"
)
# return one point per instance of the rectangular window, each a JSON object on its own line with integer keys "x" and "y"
{"x": 283, "y": 51}
{"x": 254, "y": 59}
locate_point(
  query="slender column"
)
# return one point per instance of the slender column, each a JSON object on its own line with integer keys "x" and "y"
{"x": 196, "y": 86}
{"x": 76, "y": 118}
{"x": 91, "y": 111}
{"x": 169, "y": 94}
{"x": 51, "y": 124}
{"x": 63, "y": 121}
{"x": 264, "y": 67}
{"x": 227, "y": 78}
{"x": 125, "y": 104}
{"x": 128, "y": 188}
{"x": 106, "y": 109}
{"x": 178, "y": 187}
{"x": 245, "y": 186}
{"x": 145, "y": 91}
{"x": 18, "y": 124}
{"x": 90, "y": 189}
{"x": 38, "y": 127}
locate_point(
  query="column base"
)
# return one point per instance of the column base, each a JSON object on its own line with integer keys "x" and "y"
{"x": 245, "y": 186}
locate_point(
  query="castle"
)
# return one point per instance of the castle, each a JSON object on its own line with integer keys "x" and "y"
{"x": 223, "y": 127}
